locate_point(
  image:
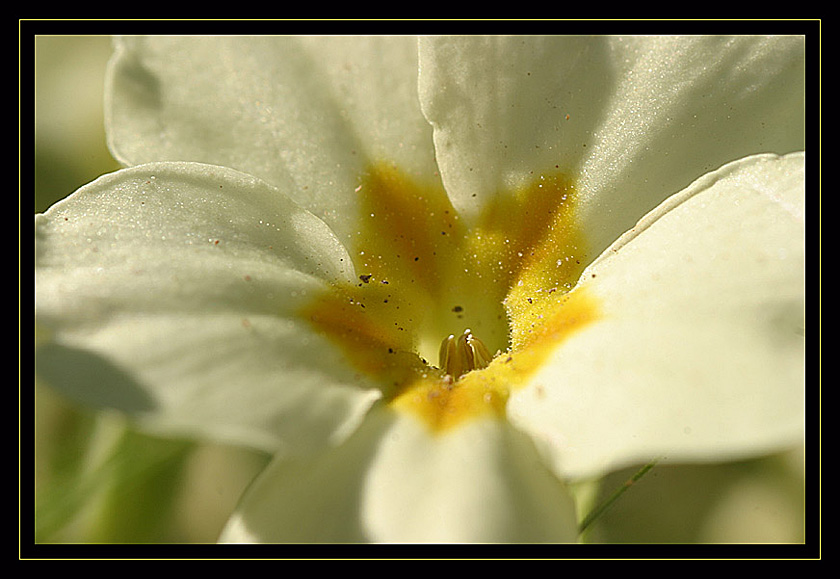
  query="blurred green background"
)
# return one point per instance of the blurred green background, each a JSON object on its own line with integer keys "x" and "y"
{"x": 70, "y": 147}
{"x": 97, "y": 480}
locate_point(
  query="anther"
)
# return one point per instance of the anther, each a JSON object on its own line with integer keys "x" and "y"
{"x": 461, "y": 355}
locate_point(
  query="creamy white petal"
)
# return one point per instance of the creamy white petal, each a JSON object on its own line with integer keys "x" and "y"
{"x": 630, "y": 119}
{"x": 395, "y": 481}
{"x": 682, "y": 107}
{"x": 173, "y": 291}
{"x": 307, "y": 114}
{"x": 498, "y": 106}
{"x": 698, "y": 349}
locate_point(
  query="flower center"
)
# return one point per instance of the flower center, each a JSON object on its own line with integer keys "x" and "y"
{"x": 423, "y": 273}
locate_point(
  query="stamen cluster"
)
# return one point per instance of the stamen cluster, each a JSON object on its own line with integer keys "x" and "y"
{"x": 461, "y": 355}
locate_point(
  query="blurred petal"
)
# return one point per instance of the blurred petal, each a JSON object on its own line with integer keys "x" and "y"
{"x": 752, "y": 501}
{"x": 306, "y": 114}
{"x": 698, "y": 350}
{"x": 171, "y": 291}
{"x": 631, "y": 119}
{"x": 395, "y": 481}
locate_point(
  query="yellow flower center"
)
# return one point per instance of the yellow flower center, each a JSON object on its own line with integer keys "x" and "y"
{"x": 425, "y": 274}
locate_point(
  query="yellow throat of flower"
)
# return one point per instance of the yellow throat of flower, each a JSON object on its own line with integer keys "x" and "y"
{"x": 424, "y": 275}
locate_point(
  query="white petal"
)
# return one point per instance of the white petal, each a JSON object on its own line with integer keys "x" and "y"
{"x": 394, "y": 481}
{"x": 697, "y": 352}
{"x": 498, "y": 106}
{"x": 173, "y": 291}
{"x": 307, "y": 114}
{"x": 629, "y": 119}
{"x": 680, "y": 107}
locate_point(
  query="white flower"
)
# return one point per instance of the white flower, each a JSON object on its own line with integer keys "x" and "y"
{"x": 304, "y": 220}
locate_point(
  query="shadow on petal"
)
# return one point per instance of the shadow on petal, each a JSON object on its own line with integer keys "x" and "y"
{"x": 90, "y": 379}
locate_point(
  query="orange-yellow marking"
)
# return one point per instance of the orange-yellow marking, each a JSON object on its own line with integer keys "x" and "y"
{"x": 424, "y": 275}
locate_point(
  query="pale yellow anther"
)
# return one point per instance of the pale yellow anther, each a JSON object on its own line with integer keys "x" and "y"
{"x": 461, "y": 355}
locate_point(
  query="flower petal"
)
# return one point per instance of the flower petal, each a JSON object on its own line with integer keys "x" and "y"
{"x": 171, "y": 291}
{"x": 395, "y": 481}
{"x": 498, "y": 106}
{"x": 697, "y": 352}
{"x": 630, "y": 119}
{"x": 306, "y": 114}
{"x": 682, "y": 107}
